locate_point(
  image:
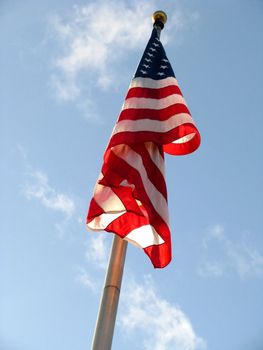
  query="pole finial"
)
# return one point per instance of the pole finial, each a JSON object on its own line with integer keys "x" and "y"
{"x": 159, "y": 18}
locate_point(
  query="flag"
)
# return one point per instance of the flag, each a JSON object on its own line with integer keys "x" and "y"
{"x": 130, "y": 196}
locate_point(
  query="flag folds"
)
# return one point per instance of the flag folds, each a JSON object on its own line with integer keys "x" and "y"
{"x": 130, "y": 196}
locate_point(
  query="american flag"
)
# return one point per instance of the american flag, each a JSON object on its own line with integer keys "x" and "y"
{"x": 130, "y": 196}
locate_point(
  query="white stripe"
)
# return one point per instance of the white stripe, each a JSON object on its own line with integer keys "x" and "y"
{"x": 186, "y": 138}
{"x": 144, "y": 237}
{"x": 135, "y": 161}
{"x": 155, "y": 156}
{"x": 153, "y": 84}
{"x": 152, "y": 103}
{"x": 107, "y": 199}
{"x": 101, "y": 222}
{"x": 160, "y": 126}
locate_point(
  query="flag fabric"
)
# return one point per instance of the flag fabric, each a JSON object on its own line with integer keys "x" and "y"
{"x": 130, "y": 196}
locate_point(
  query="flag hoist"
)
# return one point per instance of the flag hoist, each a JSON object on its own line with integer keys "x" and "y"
{"x": 130, "y": 196}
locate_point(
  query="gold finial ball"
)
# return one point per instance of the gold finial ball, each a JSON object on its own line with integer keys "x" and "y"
{"x": 159, "y": 16}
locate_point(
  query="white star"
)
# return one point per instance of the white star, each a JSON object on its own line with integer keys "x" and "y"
{"x": 156, "y": 45}
{"x": 163, "y": 67}
{"x": 165, "y": 60}
{"x": 160, "y": 73}
{"x": 149, "y": 54}
{"x": 143, "y": 71}
{"x": 146, "y": 65}
{"x": 152, "y": 49}
{"x": 148, "y": 59}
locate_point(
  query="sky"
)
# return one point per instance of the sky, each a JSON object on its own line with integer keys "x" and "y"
{"x": 65, "y": 69}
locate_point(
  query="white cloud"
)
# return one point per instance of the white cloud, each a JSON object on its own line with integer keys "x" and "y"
{"x": 97, "y": 250}
{"x": 65, "y": 88}
{"x": 182, "y": 19}
{"x": 163, "y": 325}
{"x": 239, "y": 257}
{"x": 246, "y": 260}
{"x": 94, "y": 41}
{"x": 208, "y": 268}
{"x": 96, "y": 254}
{"x": 37, "y": 187}
{"x": 84, "y": 278}
{"x": 94, "y": 32}
{"x": 217, "y": 231}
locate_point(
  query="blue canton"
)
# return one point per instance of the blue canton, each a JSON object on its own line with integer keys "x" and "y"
{"x": 154, "y": 63}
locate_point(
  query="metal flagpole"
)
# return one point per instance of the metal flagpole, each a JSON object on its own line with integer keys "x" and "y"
{"x": 109, "y": 302}
{"x": 159, "y": 19}
{"x": 103, "y": 333}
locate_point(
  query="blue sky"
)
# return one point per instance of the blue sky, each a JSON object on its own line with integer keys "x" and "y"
{"x": 65, "y": 69}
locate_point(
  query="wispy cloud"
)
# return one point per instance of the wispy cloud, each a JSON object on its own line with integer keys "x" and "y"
{"x": 217, "y": 232}
{"x": 84, "y": 278}
{"x": 97, "y": 250}
{"x": 246, "y": 260}
{"x": 93, "y": 33}
{"x": 240, "y": 257}
{"x": 94, "y": 39}
{"x": 96, "y": 255}
{"x": 37, "y": 187}
{"x": 164, "y": 325}
{"x": 211, "y": 268}
{"x": 214, "y": 233}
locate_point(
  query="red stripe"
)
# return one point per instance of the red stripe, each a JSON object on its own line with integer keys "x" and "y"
{"x": 127, "y": 222}
{"x": 153, "y": 93}
{"x": 153, "y": 114}
{"x": 133, "y": 176}
{"x": 181, "y": 149}
{"x": 153, "y": 172}
{"x": 125, "y": 194}
{"x": 165, "y": 139}
{"x": 94, "y": 210}
{"x": 140, "y": 205}
{"x": 160, "y": 255}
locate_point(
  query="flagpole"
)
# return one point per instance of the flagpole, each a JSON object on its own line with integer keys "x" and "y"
{"x": 109, "y": 302}
{"x": 103, "y": 334}
{"x": 159, "y": 18}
